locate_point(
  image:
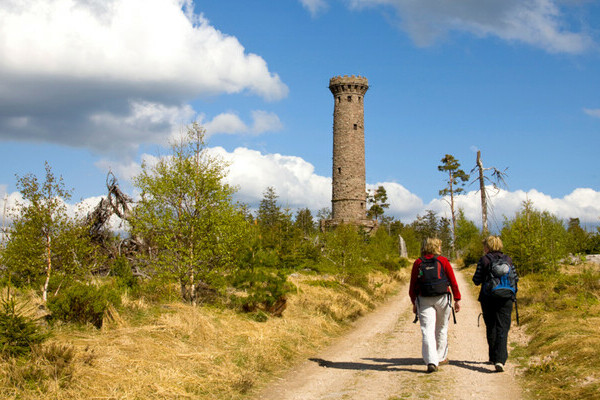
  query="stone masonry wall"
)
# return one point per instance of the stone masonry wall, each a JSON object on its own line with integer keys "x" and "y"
{"x": 348, "y": 175}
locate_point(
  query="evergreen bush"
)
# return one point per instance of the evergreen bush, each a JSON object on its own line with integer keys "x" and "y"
{"x": 18, "y": 332}
{"x": 83, "y": 304}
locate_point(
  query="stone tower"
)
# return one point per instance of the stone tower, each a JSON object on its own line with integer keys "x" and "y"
{"x": 348, "y": 200}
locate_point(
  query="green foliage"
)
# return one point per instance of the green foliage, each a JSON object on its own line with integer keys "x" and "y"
{"x": 535, "y": 240}
{"x": 18, "y": 331}
{"x": 344, "y": 249}
{"x": 43, "y": 240}
{"x": 304, "y": 221}
{"x": 430, "y": 226}
{"x": 80, "y": 303}
{"x": 264, "y": 288}
{"x": 579, "y": 241}
{"x": 187, "y": 217}
{"x": 468, "y": 239}
{"x": 456, "y": 176}
{"x": 377, "y": 201}
{"x": 121, "y": 270}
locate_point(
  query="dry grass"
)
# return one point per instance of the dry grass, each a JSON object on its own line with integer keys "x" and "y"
{"x": 185, "y": 352}
{"x": 558, "y": 341}
{"x": 561, "y": 314}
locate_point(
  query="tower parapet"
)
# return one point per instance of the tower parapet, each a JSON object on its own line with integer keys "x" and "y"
{"x": 348, "y": 200}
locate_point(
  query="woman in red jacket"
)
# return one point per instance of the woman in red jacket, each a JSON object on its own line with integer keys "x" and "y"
{"x": 431, "y": 279}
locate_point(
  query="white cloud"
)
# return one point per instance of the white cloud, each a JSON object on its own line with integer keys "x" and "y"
{"x": 66, "y": 63}
{"x": 314, "y": 6}
{"x": 582, "y": 203}
{"x": 225, "y": 123}
{"x": 592, "y": 112}
{"x": 404, "y": 205}
{"x": 298, "y": 186}
{"x": 535, "y": 22}
{"x": 231, "y": 123}
{"x": 265, "y": 122}
{"x": 294, "y": 179}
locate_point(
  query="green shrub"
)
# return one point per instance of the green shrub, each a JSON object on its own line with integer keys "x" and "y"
{"x": 121, "y": 270}
{"x": 265, "y": 289}
{"x": 18, "y": 332}
{"x": 83, "y": 304}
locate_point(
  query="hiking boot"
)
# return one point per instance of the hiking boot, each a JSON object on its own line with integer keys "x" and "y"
{"x": 431, "y": 368}
{"x": 499, "y": 367}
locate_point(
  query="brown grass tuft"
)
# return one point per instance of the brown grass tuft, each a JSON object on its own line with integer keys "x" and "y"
{"x": 177, "y": 351}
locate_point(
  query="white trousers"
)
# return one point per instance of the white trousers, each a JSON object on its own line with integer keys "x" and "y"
{"x": 434, "y": 314}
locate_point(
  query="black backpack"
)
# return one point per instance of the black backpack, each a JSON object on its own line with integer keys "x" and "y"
{"x": 501, "y": 280}
{"x": 432, "y": 278}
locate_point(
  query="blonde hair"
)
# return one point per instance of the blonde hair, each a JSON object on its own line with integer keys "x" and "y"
{"x": 493, "y": 243}
{"x": 431, "y": 246}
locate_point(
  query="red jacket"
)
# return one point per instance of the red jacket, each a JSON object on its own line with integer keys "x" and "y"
{"x": 413, "y": 290}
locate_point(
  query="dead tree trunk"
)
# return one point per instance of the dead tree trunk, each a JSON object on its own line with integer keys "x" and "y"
{"x": 484, "y": 217}
{"x": 498, "y": 179}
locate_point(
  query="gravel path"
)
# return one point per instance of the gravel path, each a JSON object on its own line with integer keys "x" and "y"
{"x": 381, "y": 359}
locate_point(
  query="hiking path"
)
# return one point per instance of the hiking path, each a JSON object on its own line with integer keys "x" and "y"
{"x": 380, "y": 359}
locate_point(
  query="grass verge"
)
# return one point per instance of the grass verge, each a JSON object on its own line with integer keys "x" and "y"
{"x": 560, "y": 316}
{"x": 177, "y": 351}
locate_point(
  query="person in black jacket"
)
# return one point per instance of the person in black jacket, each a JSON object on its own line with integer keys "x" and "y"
{"x": 496, "y": 310}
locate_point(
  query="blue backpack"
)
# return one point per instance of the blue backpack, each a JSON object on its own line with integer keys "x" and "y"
{"x": 501, "y": 280}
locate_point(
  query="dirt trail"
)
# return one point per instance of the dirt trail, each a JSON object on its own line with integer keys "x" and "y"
{"x": 381, "y": 359}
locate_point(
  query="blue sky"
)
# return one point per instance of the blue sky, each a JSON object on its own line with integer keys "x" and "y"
{"x": 90, "y": 85}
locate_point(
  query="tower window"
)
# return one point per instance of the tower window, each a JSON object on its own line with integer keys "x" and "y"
{"x": 355, "y": 126}
{"x": 359, "y": 99}
{"x": 349, "y": 98}
{"x": 339, "y": 99}
{"x": 339, "y": 170}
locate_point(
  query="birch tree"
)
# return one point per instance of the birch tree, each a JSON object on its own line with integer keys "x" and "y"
{"x": 43, "y": 239}
{"x": 186, "y": 216}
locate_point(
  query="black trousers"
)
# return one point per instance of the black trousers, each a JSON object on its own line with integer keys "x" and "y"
{"x": 497, "y": 317}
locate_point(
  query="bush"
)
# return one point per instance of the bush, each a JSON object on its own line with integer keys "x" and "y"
{"x": 121, "y": 270}
{"x": 83, "y": 304}
{"x": 18, "y": 332}
{"x": 265, "y": 290}
{"x": 535, "y": 240}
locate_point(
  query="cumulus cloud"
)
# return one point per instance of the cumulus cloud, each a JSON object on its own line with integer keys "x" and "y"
{"x": 314, "y": 6}
{"x": 231, "y": 123}
{"x": 404, "y": 205}
{"x": 592, "y": 112}
{"x": 293, "y": 178}
{"x": 298, "y": 186}
{"x": 535, "y": 22}
{"x": 89, "y": 73}
{"x": 582, "y": 203}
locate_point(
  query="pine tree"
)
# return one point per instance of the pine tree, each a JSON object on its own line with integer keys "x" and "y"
{"x": 456, "y": 178}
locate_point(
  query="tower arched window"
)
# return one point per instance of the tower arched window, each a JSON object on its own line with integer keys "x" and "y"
{"x": 349, "y": 98}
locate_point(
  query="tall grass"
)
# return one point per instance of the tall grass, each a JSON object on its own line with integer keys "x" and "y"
{"x": 561, "y": 315}
{"x": 178, "y": 351}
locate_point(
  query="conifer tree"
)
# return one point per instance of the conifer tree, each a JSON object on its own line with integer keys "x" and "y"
{"x": 456, "y": 178}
